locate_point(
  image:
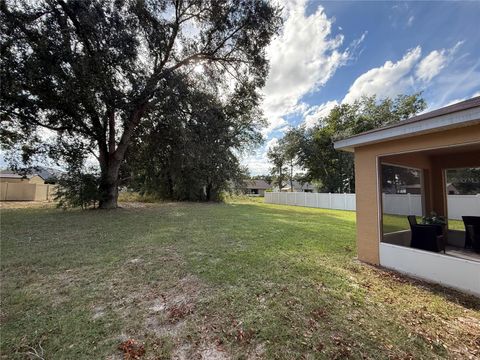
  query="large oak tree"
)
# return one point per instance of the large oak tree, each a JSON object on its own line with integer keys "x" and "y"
{"x": 93, "y": 70}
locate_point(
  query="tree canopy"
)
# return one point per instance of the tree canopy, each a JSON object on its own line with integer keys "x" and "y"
{"x": 100, "y": 74}
{"x": 192, "y": 153}
{"x": 313, "y": 148}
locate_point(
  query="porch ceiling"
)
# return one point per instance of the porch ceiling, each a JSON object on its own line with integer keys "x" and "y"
{"x": 442, "y": 157}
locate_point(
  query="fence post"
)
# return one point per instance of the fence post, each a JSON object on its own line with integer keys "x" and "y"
{"x": 409, "y": 204}
{"x": 318, "y": 200}
{"x": 6, "y": 191}
{"x": 329, "y": 200}
{"x": 305, "y": 199}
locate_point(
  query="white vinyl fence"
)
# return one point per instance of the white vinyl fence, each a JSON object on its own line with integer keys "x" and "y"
{"x": 399, "y": 204}
{"x": 318, "y": 200}
{"x": 402, "y": 204}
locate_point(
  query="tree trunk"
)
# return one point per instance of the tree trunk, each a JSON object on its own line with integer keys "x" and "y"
{"x": 170, "y": 186}
{"x": 110, "y": 158}
{"x": 280, "y": 180}
{"x": 291, "y": 176}
{"x": 109, "y": 186}
{"x": 109, "y": 197}
{"x": 208, "y": 192}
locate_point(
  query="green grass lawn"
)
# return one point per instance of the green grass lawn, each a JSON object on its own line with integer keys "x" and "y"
{"x": 392, "y": 223}
{"x": 241, "y": 280}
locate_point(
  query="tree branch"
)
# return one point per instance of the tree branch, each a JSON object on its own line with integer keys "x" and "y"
{"x": 76, "y": 25}
{"x": 32, "y": 120}
{"x": 111, "y": 131}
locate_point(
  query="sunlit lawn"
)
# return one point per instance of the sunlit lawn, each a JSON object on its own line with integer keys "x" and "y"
{"x": 236, "y": 280}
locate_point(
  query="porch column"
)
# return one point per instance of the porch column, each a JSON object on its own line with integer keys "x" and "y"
{"x": 367, "y": 207}
{"x": 438, "y": 191}
{"x": 427, "y": 191}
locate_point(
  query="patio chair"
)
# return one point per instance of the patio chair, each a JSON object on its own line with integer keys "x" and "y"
{"x": 474, "y": 233}
{"x": 412, "y": 220}
{"x": 467, "y": 221}
{"x": 425, "y": 237}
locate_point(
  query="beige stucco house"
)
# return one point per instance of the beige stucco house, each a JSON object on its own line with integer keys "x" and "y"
{"x": 433, "y": 142}
{"x": 31, "y": 187}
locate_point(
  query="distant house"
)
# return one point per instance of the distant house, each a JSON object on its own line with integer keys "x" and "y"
{"x": 412, "y": 189}
{"x": 299, "y": 187}
{"x": 452, "y": 190}
{"x": 402, "y": 189}
{"x": 256, "y": 187}
{"x": 11, "y": 177}
{"x": 25, "y": 187}
{"x": 33, "y": 175}
{"x": 415, "y": 189}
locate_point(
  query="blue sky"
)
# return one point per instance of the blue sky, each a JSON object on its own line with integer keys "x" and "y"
{"x": 331, "y": 52}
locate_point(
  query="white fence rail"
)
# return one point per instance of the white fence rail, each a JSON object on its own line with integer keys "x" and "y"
{"x": 399, "y": 204}
{"x": 402, "y": 204}
{"x": 317, "y": 200}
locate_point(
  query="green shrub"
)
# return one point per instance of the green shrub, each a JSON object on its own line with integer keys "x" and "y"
{"x": 78, "y": 190}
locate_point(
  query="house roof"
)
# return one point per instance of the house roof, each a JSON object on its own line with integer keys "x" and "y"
{"x": 461, "y": 114}
{"x": 299, "y": 185}
{"x": 10, "y": 175}
{"x": 257, "y": 184}
{"x": 46, "y": 173}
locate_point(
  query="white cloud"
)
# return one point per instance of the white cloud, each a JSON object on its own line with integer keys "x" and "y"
{"x": 436, "y": 105}
{"x": 303, "y": 58}
{"x": 433, "y": 63}
{"x": 410, "y": 20}
{"x": 271, "y": 143}
{"x": 390, "y": 79}
{"x": 451, "y": 102}
{"x": 258, "y": 163}
{"x": 274, "y": 123}
{"x": 455, "y": 84}
{"x": 315, "y": 113}
{"x": 414, "y": 73}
